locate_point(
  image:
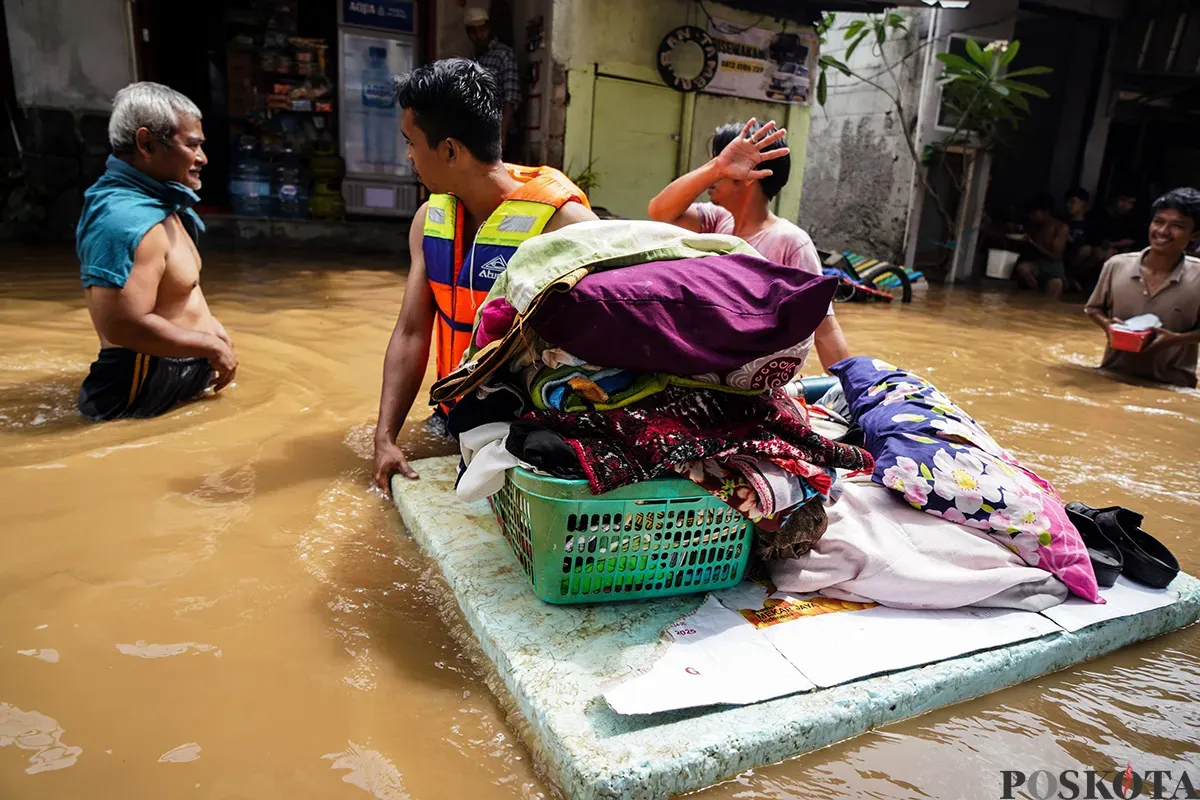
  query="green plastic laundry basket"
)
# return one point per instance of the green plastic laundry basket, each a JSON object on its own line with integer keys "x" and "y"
{"x": 652, "y": 539}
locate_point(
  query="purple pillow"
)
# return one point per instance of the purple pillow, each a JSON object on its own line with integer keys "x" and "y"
{"x": 941, "y": 461}
{"x": 689, "y": 316}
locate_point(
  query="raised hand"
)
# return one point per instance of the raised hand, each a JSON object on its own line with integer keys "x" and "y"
{"x": 741, "y": 158}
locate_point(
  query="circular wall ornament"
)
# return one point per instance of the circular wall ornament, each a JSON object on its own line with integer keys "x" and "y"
{"x": 687, "y": 59}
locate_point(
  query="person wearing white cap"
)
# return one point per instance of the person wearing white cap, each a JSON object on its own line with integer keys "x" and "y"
{"x": 500, "y": 60}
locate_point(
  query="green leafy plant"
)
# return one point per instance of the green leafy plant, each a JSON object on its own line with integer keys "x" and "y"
{"x": 984, "y": 99}
{"x": 876, "y": 26}
{"x": 587, "y": 180}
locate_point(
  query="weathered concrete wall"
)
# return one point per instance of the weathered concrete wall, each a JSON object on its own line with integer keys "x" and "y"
{"x": 69, "y": 53}
{"x": 859, "y": 169}
{"x": 623, "y": 35}
{"x": 856, "y": 185}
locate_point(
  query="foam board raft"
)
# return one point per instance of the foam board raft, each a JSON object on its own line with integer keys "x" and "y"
{"x": 556, "y": 662}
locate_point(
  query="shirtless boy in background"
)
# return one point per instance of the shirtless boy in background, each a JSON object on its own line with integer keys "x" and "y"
{"x": 1041, "y": 266}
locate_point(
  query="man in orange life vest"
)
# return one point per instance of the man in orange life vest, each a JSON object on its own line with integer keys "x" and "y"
{"x": 480, "y": 210}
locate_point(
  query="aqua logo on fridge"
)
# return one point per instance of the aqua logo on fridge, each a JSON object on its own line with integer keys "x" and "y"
{"x": 391, "y": 14}
{"x": 370, "y": 8}
{"x": 379, "y": 95}
{"x": 377, "y": 91}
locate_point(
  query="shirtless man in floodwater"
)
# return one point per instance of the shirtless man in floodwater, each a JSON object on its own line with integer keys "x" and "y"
{"x": 160, "y": 345}
{"x": 1041, "y": 265}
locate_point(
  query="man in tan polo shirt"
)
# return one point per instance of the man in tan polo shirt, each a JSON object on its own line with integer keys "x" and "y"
{"x": 1161, "y": 280}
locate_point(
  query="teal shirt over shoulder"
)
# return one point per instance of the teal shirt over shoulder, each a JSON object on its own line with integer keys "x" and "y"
{"x": 118, "y": 211}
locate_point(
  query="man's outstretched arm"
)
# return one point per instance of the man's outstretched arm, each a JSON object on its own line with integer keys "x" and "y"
{"x": 405, "y": 363}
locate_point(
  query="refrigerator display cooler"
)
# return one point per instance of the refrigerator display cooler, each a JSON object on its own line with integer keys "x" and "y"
{"x": 376, "y": 41}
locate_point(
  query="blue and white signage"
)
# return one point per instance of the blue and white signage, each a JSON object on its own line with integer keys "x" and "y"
{"x": 392, "y": 15}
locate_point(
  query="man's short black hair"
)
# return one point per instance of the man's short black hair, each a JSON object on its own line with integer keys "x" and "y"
{"x": 455, "y": 98}
{"x": 780, "y": 167}
{"x": 1080, "y": 192}
{"x": 1185, "y": 200}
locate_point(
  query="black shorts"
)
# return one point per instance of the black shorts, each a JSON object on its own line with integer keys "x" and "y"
{"x": 123, "y": 383}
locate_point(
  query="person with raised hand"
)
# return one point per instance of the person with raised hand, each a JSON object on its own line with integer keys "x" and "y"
{"x": 749, "y": 167}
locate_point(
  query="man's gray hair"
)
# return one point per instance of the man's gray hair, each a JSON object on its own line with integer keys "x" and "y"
{"x": 148, "y": 105}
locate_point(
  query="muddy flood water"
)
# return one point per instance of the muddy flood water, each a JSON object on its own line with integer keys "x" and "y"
{"x": 213, "y": 604}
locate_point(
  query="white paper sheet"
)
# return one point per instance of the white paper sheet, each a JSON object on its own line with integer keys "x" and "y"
{"x": 798, "y": 643}
{"x": 716, "y": 657}
{"x": 1123, "y": 599}
{"x": 835, "y": 648}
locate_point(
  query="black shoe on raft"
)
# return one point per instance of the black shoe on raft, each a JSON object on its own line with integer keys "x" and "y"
{"x": 1139, "y": 555}
{"x": 1107, "y": 561}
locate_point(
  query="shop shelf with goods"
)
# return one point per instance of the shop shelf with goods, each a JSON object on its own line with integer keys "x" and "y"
{"x": 281, "y": 106}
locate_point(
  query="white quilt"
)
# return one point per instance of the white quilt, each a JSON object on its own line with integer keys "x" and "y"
{"x": 879, "y": 550}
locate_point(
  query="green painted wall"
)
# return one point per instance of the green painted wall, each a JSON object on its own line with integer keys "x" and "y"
{"x": 615, "y": 42}
{"x": 638, "y": 155}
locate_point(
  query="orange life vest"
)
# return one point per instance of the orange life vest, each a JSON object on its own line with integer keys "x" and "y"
{"x": 461, "y": 276}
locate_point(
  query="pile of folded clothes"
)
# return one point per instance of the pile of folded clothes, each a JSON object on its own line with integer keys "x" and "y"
{"x": 624, "y": 351}
{"x": 933, "y": 456}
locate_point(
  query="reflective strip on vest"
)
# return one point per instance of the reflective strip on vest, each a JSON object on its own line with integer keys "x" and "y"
{"x": 440, "y": 216}
{"x": 514, "y": 222}
{"x": 460, "y": 277}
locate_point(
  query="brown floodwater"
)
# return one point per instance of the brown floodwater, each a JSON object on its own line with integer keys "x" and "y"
{"x": 214, "y": 603}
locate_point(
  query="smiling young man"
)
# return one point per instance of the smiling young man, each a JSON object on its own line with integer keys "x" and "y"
{"x": 480, "y": 211}
{"x": 750, "y": 165}
{"x": 136, "y": 240}
{"x": 1161, "y": 280}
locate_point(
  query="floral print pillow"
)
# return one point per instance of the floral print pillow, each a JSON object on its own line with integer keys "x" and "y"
{"x": 930, "y": 452}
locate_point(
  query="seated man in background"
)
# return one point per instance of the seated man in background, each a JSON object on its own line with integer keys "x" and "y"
{"x": 136, "y": 242}
{"x": 1041, "y": 265}
{"x": 741, "y": 184}
{"x": 1078, "y": 230}
{"x": 1114, "y": 229}
{"x": 1161, "y": 280}
{"x": 461, "y": 239}
{"x": 1117, "y": 228}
